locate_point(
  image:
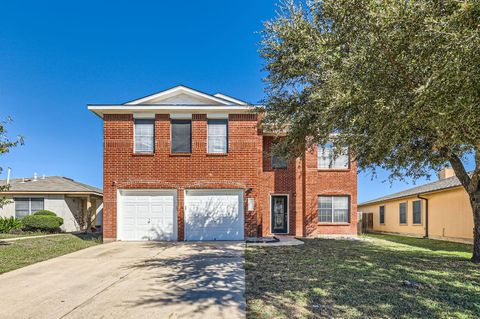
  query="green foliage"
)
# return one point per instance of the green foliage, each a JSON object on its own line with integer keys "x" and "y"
{"x": 399, "y": 81}
{"x": 8, "y": 224}
{"x": 45, "y": 213}
{"x": 396, "y": 81}
{"x": 46, "y": 223}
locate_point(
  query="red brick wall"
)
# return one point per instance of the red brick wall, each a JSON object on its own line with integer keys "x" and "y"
{"x": 281, "y": 181}
{"x": 328, "y": 182}
{"x": 123, "y": 169}
{"x": 247, "y": 165}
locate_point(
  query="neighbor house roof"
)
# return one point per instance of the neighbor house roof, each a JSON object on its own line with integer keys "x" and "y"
{"x": 439, "y": 185}
{"x": 49, "y": 184}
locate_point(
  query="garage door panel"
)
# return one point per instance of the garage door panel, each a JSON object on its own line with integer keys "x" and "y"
{"x": 147, "y": 215}
{"x": 214, "y": 215}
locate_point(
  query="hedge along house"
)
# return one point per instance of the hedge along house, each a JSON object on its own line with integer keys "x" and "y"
{"x": 186, "y": 165}
{"x": 65, "y": 197}
{"x": 438, "y": 210}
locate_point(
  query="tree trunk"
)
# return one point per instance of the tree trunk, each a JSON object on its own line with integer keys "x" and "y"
{"x": 475, "y": 202}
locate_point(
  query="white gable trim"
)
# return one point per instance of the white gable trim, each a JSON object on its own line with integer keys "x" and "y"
{"x": 230, "y": 99}
{"x": 178, "y": 90}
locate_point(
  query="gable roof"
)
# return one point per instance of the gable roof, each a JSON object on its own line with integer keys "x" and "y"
{"x": 439, "y": 185}
{"x": 156, "y": 98}
{"x": 178, "y": 99}
{"x": 50, "y": 184}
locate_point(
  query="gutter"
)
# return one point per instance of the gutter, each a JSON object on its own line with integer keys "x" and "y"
{"x": 426, "y": 214}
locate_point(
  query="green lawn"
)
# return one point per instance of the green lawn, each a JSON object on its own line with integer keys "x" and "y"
{"x": 328, "y": 278}
{"x": 20, "y": 253}
{"x": 23, "y": 234}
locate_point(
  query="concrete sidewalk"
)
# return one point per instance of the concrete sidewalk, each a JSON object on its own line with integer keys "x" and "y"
{"x": 131, "y": 280}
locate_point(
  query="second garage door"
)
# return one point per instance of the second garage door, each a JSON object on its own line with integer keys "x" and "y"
{"x": 214, "y": 214}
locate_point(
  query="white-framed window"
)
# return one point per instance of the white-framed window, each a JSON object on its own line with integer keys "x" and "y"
{"x": 333, "y": 209}
{"x": 144, "y": 134}
{"x": 217, "y": 136}
{"x": 25, "y": 206}
{"x": 327, "y": 159}
{"x": 181, "y": 132}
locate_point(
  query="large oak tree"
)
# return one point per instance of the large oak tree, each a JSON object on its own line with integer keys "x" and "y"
{"x": 398, "y": 81}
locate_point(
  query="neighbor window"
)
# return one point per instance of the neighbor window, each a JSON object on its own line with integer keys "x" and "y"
{"x": 278, "y": 161}
{"x": 181, "y": 136}
{"x": 217, "y": 136}
{"x": 26, "y": 206}
{"x": 403, "y": 213}
{"x": 327, "y": 159}
{"x": 144, "y": 135}
{"x": 333, "y": 209}
{"x": 382, "y": 214}
{"x": 417, "y": 212}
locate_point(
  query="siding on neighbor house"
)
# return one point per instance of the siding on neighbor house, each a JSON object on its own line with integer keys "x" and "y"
{"x": 65, "y": 207}
{"x": 450, "y": 216}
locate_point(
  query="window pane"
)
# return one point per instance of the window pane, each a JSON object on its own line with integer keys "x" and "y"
{"x": 328, "y": 159}
{"x": 403, "y": 213}
{"x": 278, "y": 162}
{"x": 22, "y": 207}
{"x": 144, "y": 135}
{"x": 417, "y": 212}
{"x": 340, "y": 209}
{"x": 382, "y": 214}
{"x": 217, "y": 136}
{"x": 36, "y": 204}
{"x": 181, "y": 136}
{"x": 325, "y": 209}
{"x": 325, "y": 155}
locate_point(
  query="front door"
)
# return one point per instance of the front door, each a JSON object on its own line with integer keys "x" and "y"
{"x": 279, "y": 213}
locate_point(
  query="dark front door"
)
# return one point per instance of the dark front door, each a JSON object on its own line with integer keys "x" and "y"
{"x": 279, "y": 220}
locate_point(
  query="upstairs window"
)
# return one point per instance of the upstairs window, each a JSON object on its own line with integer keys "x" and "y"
{"x": 217, "y": 136}
{"x": 144, "y": 134}
{"x": 382, "y": 215}
{"x": 181, "y": 136}
{"x": 26, "y": 206}
{"x": 417, "y": 212}
{"x": 278, "y": 161}
{"x": 333, "y": 209}
{"x": 328, "y": 160}
{"x": 403, "y": 213}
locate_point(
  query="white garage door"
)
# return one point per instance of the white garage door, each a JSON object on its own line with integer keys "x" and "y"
{"x": 147, "y": 215}
{"x": 214, "y": 214}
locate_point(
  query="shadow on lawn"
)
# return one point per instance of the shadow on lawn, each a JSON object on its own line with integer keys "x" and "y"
{"x": 345, "y": 279}
{"x": 430, "y": 244}
{"x": 201, "y": 275}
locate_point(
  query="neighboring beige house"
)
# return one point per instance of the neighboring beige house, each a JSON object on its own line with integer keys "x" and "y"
{"x": 439, "y": 210}
{"x": 64, "y": 196}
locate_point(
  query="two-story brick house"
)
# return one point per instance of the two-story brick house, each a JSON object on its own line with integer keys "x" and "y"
{"x": 185, "y": 165}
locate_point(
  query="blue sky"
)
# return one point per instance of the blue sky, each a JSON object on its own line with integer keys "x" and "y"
{"x": 55, "y": 57}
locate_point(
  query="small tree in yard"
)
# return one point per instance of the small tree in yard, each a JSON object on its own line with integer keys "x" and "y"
{"x": 5, "y": 145}
{"x": 397, "y": 81}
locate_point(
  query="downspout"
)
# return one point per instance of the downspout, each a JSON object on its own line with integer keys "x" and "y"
{"x": 426, "y": 214}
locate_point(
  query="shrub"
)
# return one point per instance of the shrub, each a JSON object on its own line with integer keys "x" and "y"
{"x": 8, "y": 224}
{"x": 45, "y": 213}
{"x": 48, "y": 223}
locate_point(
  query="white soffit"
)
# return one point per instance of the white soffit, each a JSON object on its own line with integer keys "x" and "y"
{"x": 181, "y": 116}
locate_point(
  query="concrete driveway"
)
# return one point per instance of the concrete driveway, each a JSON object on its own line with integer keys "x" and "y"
{"x": 131, "y": 280}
